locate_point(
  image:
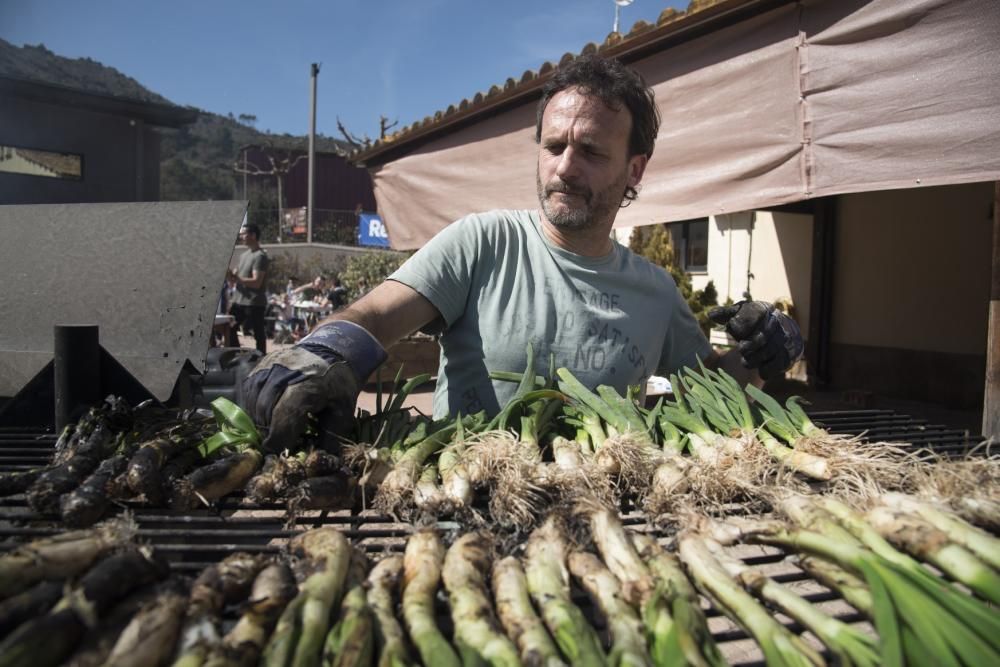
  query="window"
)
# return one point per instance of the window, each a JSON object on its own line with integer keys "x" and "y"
{"x": 690, "y": 241}
{"x": 33, "y": 162}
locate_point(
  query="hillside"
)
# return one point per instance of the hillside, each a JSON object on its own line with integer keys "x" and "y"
{"x": 196, "y": 161}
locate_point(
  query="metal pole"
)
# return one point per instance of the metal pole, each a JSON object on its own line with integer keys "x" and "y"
{"x": 77, "y": 370}
{"x": 991, "y": 394}
{"x": 314, "y": 73}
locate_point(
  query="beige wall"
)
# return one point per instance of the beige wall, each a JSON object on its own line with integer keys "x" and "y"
{"x": 775, "y": 247}
{"x": 913, "y": 268}
{"x": 727, "y": 255}
{"x": 782, "y": 260}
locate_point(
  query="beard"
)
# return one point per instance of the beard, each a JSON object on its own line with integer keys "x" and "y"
{"x": 586, "y": 209}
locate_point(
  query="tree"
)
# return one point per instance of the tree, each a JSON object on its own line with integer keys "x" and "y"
{"x": 365, "y": 141}
{"x": 280, "y": 162}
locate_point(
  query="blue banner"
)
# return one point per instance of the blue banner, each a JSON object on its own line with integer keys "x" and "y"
{"x": 371, "y": 231}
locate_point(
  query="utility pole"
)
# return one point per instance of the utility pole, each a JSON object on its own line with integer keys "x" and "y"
{"x": 618, "y": 5}
{"x": 314, "y": 74}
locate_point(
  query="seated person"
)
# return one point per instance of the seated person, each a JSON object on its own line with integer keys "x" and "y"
{"x": 287, "y": 325}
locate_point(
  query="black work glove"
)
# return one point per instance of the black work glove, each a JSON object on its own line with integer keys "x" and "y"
{"x": 767, "y": 339}
{"x": 322, "y": 375}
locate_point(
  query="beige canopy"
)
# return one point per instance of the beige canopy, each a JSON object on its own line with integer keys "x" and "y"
{"x": 808, "y": 99}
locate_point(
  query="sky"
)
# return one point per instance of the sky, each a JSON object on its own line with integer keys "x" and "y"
{"x": 402, "y": 59}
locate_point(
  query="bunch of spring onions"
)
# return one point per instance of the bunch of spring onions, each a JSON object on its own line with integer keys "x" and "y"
{"x": 555, "y": 435}
{"x": 920, "y": 617}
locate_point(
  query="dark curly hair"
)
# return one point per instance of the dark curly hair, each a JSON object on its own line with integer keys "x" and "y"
{"x": 615, "y": 85}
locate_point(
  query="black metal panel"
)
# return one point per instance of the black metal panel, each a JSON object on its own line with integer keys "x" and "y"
{"x": 149, "y": 274}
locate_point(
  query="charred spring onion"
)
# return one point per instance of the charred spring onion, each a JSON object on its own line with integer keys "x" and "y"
{"x": 384, "y": 582}
{"x": 351, "y": 640}
{"x": 548, "y": 585}
{"x": 518, "y": 617}
{"x": 628, "y": 642}
{"x": 477, "y": 636}
{"x": 780, "y": 646}
{"x": 302, "y": 628}
{"x": 422, "y": 564}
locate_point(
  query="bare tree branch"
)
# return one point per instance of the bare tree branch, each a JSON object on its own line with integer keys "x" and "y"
{"x": 282, "y": 161}
{"x": 385, "y": 125}
{"x": 366, "y": 141}
{"x": 353, "y": 140}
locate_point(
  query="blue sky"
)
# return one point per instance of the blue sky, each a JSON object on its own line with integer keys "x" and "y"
{"x": 404, "y": 59}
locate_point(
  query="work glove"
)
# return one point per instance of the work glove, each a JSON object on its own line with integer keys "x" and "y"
{"x": 321, "y": 375}
{"x": 767, "y": 339}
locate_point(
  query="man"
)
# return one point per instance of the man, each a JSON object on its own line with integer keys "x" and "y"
{"x": 250, "y": 300}
{"x": 496, "y": 281}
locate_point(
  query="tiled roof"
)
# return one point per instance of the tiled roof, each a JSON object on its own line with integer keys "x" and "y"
{"x": 643, "y": 38}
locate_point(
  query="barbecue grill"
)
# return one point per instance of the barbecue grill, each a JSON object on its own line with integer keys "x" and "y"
{"x": 193, "y": 540}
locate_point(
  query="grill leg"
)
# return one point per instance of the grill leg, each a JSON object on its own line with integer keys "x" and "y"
{"x": 77, "y": 370}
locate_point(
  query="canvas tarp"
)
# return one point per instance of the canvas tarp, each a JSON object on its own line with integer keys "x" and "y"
{"x": 810, "y": 99}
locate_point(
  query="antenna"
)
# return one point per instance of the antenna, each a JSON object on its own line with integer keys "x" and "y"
{"x": 618, "y": 5}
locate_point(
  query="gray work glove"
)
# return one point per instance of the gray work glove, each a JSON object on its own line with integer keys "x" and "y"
{"x": 322, "y": 375}
{"x": 767, "y": 339}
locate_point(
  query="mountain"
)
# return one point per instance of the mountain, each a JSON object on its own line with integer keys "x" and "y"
{"x": 196, "y": 160}
{"x": 39, "y": 64}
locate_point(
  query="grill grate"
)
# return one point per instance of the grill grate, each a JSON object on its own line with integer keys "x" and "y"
{"x": 193, "y": 540}
{"x": 889, "y": 426}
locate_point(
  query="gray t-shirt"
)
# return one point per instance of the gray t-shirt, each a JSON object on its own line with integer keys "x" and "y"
{"x": 499, "y": 284}
{"x": 250, "y": 261}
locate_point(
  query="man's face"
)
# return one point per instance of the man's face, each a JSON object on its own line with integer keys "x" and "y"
{"x": 583, "y": 162}
{"x": 247, "y": 237}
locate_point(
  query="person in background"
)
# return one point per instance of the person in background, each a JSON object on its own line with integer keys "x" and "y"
{"x": 250, "y": 298}
{"x": 288, "y": 327}
{"x": 551, "y": 276}
{"x": 336, "y": 297}
{"x": 311, "y": 291}
{"x": 314, "y": 293}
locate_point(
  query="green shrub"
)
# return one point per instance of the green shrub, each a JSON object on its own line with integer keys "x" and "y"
{"x": 367, "y": 270}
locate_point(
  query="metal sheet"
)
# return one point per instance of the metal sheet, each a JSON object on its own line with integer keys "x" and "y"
{"x": 148, "y": 274}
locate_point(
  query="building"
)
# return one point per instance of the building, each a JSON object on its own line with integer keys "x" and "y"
{"x": 63, "y": 145}
{"x": 340, "y": 186}
{"x": 838, "y": 153}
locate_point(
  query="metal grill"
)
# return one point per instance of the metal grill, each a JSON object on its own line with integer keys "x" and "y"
{"x": 193, "y": 540}
{"x": 889, "y": 426}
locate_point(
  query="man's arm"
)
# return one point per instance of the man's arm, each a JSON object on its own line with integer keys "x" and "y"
{"x": 255, "y": 280}
{"x": 258, "y": 272}
{"x": 389, "y": 312}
